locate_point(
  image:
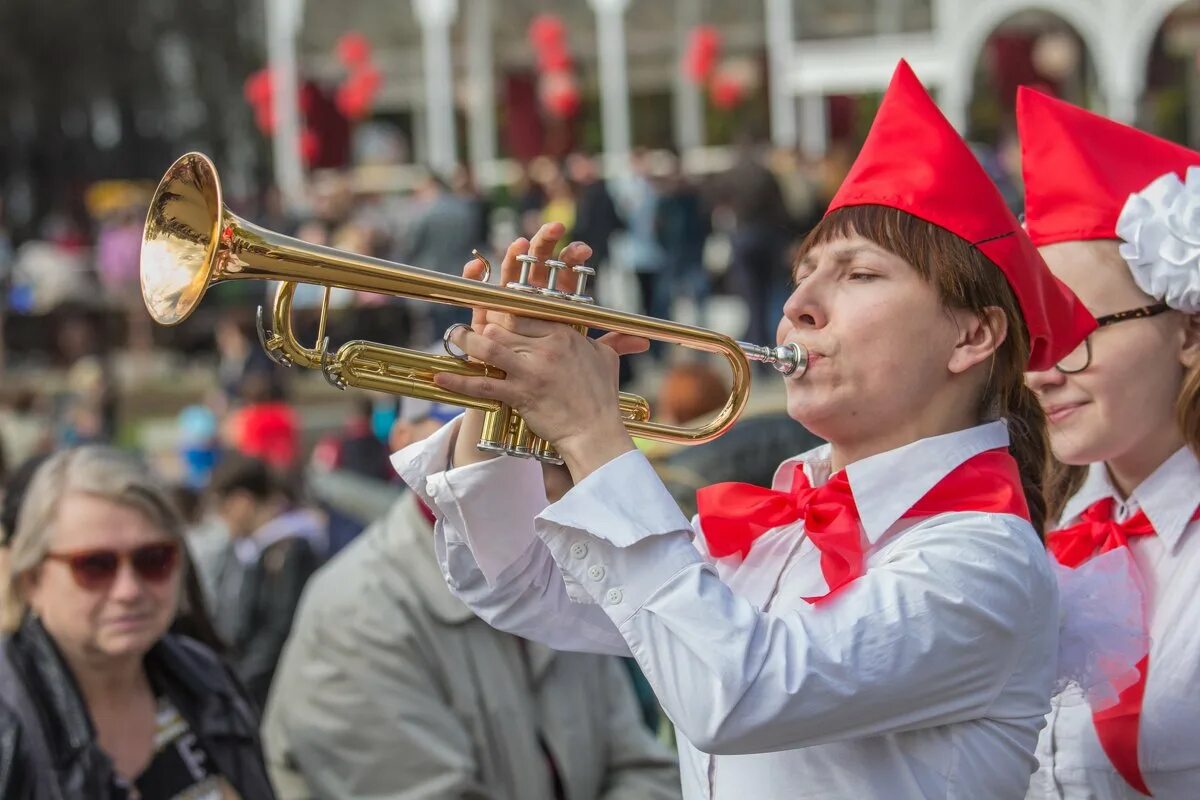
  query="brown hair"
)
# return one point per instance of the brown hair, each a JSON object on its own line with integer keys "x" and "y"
{"x": 964, "y": 279}
{"x": 1064, "y": 480}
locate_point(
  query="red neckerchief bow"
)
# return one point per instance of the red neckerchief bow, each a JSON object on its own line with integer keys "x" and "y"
{"x": 734, "y": 515}
{"x": 1095, "y": 533}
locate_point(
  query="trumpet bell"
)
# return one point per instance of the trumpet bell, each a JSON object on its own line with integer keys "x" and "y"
{"x": 180, "y": 240}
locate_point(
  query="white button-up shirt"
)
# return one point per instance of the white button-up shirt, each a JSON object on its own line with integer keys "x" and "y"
{"x": 1072, "y": 765}
{"x": 927, "y": 677}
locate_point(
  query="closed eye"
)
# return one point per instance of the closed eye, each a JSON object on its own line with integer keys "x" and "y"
{"x": 863, "y": 276}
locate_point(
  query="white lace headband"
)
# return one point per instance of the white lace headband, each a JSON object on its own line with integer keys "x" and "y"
{"x": 1160, "y": 229}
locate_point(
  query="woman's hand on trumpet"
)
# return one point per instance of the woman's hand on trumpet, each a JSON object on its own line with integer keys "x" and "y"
{"x": 561, "y": 382}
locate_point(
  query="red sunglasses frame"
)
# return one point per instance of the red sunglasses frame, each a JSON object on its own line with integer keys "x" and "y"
{"x": 141, "y": 559}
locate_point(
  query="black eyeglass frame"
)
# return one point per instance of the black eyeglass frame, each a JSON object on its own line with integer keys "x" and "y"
{"x": 1112, "y": 319}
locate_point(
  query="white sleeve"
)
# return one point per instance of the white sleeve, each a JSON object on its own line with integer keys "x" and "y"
{"x": 488, "y": 550}
{"x": 929, "y": 637}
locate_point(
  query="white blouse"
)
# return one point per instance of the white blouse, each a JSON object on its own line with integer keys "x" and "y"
{"x": 1072, "y": 765}
{"x": 927, "y": 677}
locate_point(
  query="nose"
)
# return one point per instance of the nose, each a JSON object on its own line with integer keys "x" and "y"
{"x": 805, "y": 308}
{"x": 126, "y": 586}
{"x": 1044, "y": 380}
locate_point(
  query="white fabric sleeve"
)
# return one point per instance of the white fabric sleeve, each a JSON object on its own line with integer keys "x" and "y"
{"x": 488, "y": 551}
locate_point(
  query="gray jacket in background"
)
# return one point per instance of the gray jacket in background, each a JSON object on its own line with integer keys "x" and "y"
{"x": 389, "y": 687}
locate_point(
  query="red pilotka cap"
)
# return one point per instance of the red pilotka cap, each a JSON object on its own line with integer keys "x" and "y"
{"x": 1080, "y": 168}
{"x": 914, "y": 161}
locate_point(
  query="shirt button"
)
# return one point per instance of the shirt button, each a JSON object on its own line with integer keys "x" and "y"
{"x": 432, "y": 489}
{"x": 614, "y": 597}
{"x": 596, "y": 572}
{"x": 579, "y": 550}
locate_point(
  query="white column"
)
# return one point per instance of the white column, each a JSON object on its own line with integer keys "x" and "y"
{"x": 435, "y": 18}
{"x": 814, "y": 125}
{"x": 481, "y": 71}
{"x": 780, "y": 41}
{"x": 614, "y": 83}
{"x": 689, "y": 98}
{"x": 283, "y": 22}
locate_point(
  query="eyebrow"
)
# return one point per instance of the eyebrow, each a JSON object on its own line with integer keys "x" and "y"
{"x": 841, "y": 255}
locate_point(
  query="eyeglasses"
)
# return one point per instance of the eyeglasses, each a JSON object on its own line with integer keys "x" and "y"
{"x": 95, "y": 570}
{"x": 1080, "y": 358}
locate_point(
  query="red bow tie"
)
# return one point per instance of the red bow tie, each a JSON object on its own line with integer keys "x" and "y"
{"x": 734, "y": 515}
{"x": 1095, "y": 533}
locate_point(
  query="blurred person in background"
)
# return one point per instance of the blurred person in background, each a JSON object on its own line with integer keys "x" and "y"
{"x": 389, "y": 687}
{"x": 463, "y": 183}
{"x": 596, "y": 216}
{"x": 265, "y": 426}
{"x": 437, "y": 241}
{"x": 758, "y": 266}
{"x": 24, "y": 426}
{"x": 272, "y": 550}
{"x": 239, "y": 356}
{"x": 682, "y": 224}
{"x": 643, "y": 251}
{"x": 98, "y": 698}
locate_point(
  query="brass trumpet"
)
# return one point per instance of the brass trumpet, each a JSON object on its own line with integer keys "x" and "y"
{"x": 191, "y": 241}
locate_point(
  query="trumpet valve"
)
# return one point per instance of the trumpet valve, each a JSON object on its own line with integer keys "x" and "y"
{"x": 552, "y": 290}
{"x": 522, "y": 283}
{"x": 582, "y": 273}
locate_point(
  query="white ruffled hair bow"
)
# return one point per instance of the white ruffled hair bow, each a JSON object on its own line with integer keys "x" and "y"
{"x": 1160, "y": 226}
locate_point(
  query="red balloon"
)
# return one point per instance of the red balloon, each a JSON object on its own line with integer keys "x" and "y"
{"x": 257, "y": 88}
{"x": 554, "y": 59}
{"x": 352, "y": 101}
{"x": 353, "y": 49}
{"x": 560, "y": 95}
{"x": 368, "y": 79}
{"x": 264, "y": 117}
{"x": 704, "y": 47}
{"x": 546, "y": 31}
{"x": 726, "y": 92}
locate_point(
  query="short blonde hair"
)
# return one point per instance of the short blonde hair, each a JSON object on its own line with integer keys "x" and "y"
{"x": 96, "y": 470}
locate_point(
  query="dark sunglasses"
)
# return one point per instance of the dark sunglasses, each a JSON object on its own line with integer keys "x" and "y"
{"x": 1080, "y": 358}
{"x": 94, "y": 570}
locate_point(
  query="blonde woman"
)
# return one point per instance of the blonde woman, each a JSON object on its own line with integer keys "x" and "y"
{"x": 98, "y": 698}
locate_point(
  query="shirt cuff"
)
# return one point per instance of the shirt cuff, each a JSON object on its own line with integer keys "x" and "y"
{"x": 618, "y": 537}
{"x": 489, "y": 505}
{"x": 623, "y": 502}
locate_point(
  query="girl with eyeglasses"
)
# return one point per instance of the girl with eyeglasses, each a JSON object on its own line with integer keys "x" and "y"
{"x": 1116, "y": 214}
{"x": 97, "y": 698}
{"x": 881, "y": 622}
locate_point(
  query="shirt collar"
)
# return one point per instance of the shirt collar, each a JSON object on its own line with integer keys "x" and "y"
{"x": 893, "y": 482}
{"x": 1168, "y": 496}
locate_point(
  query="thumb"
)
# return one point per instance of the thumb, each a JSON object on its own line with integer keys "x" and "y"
{"x": 624, "y": 344}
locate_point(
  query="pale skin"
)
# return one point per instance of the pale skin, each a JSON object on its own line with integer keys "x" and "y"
{"x": 1121, "y": 409}
{"x": 865, "y": 392}
{"x": 104, "y": 635}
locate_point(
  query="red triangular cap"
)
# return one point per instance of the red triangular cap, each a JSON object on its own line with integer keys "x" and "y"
{"x": 913, "y": 160}
{"x": 1080, "y": 168}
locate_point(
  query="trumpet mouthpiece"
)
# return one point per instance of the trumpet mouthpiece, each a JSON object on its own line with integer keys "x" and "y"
{"x": 788, "y": 359}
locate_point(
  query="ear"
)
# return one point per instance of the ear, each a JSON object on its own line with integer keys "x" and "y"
{"x": 979, "y": 337}
{"x": 1189, "y": 352}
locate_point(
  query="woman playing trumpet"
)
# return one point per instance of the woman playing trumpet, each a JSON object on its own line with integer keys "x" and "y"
{"x": 882, "y": 621}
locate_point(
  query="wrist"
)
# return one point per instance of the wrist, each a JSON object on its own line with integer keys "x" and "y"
{"x": 587, "y": 451}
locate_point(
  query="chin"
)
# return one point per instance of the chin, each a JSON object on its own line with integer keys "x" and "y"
{"x": 819, "y": 419}
{"x": 1075, "y": 447}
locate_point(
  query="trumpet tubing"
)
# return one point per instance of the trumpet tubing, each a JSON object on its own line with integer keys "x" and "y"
{"x": 191, "y": 241}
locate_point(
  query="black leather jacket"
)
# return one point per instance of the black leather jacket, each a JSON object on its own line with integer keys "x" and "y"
{"x": 48, "y": 748}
